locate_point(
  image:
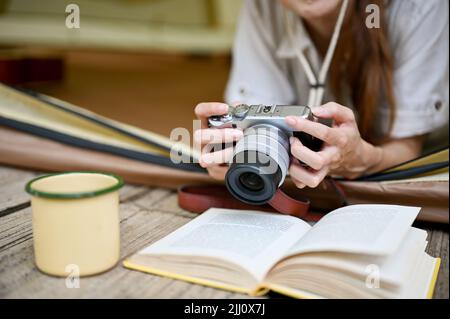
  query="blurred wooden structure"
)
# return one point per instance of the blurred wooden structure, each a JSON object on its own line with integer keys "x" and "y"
{"x": 175, "y": 25}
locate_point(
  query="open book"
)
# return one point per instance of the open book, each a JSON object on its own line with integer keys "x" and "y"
{"x": 360, "y": 251}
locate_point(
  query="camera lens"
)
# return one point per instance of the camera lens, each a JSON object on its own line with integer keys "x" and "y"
{"x": 260, "y": 164}
{"x": 252, "y": 184}
{"x": 251, "y": 181}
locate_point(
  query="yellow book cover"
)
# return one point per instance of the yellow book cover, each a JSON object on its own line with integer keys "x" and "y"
{"x": 359, "y": 251}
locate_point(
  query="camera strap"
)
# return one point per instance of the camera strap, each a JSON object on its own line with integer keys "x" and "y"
{"x": 199, "y": 198}
{"x": 316, "y": 83}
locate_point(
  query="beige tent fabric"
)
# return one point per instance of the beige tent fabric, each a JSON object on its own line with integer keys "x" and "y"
{"x": 78, "y": 122}
{"x": 29, "y": 151}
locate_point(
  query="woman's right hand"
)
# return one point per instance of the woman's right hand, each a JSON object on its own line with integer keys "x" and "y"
{"x": 215, "y": 162}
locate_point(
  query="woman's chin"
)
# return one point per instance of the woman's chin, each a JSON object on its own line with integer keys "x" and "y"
{"x": 310, "y": 9}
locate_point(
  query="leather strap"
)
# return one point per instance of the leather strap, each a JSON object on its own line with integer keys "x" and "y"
{"x": 198, "y": 198}
{"x": 285, "y": 204}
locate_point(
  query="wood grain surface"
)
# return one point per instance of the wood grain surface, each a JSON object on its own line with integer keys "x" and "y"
{"x": 146, "y": 214}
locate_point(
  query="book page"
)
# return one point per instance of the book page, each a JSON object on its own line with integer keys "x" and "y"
{"x": 253, "y": 240}
{"x": 393, "y": 270}
{"x": 364, "y": 229}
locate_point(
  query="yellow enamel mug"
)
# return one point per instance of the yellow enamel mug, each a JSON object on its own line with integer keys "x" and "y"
{"x": 75, "y": 222}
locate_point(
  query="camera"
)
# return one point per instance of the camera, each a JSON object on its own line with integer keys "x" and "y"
{"x": 261, "y": 158}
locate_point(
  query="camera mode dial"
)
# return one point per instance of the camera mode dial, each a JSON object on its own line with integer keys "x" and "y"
{"x": 241, "y": 110}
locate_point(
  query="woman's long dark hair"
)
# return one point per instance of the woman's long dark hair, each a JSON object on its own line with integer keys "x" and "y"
{"x": 363, "y": 63}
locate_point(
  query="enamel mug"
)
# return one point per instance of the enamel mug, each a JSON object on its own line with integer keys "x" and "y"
{"x": 75, "y": 222}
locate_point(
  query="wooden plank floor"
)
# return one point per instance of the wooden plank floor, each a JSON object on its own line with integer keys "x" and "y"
{"x": 147, "y": 214}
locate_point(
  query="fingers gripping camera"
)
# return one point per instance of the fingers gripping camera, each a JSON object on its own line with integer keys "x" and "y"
{"x": 261, "y": 159}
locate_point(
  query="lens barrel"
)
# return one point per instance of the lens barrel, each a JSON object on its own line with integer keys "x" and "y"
{"x": 259, "y": 166}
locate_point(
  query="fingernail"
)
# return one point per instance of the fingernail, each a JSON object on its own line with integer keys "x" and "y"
{"x": 318, "y": 110}
{"x": 237, "y": 134}
{"x": 291, "y": 120}
{"x": 206, "y": 159}
{"x": 201, "y": 162}
{"x": 223, "y": 108}
{"x": 292, "y": 140}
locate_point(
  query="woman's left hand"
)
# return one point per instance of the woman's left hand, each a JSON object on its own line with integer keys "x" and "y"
{"x": 344, "y": 152}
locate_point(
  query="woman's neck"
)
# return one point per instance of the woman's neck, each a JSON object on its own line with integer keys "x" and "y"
{"x": 321, "y": 29}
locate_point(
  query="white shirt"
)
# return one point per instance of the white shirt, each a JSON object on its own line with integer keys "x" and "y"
{"x": 266, "y": 70}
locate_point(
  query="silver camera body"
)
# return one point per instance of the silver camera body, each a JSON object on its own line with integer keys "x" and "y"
{"x": 261, "y": 158}
{"x": 244, "y": 116}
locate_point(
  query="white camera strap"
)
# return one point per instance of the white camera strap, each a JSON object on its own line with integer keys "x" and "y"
{"x": 317, "y": 84}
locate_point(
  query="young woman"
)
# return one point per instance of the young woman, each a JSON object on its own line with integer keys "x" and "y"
{"x": 386, "y": 86}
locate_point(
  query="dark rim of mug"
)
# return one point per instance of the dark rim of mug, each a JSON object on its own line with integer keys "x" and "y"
{"x": 30, "y": 190}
